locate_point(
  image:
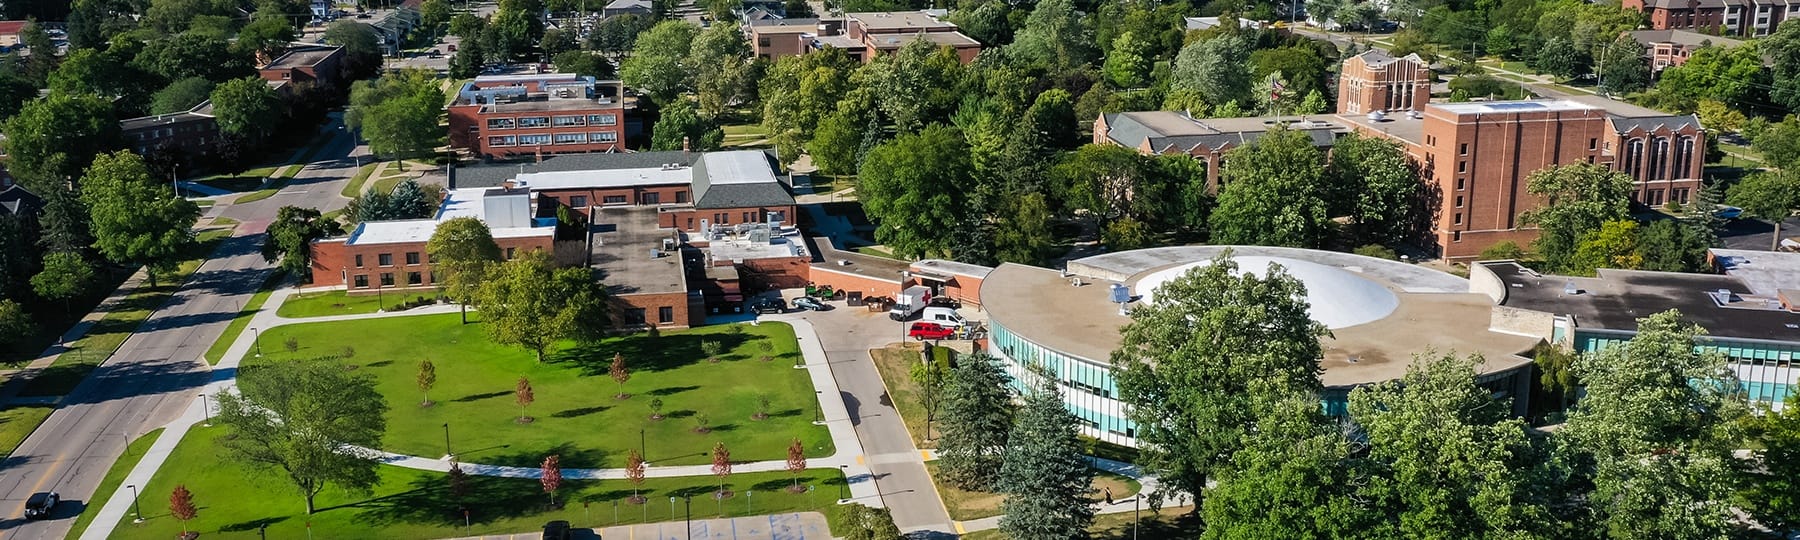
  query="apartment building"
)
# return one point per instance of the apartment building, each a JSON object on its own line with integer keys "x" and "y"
{"x": 1670, "y": 48}
{"x": 1747, "y": 18}
{"x": 500, "y": 116}
{"x": 862, "y": 36}
{"x": 190, "y": 134}
{"x": 319, "y": 65}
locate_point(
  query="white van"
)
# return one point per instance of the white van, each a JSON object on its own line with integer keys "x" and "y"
{"x": 943, "y": 316}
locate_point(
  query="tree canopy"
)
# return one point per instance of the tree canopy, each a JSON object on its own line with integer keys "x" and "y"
{"x": 289, "y": 238}
{"x": 399, "y": 113}
{"x": 1578, "y": 199}
{"x": 1273, "y": 193}
{"x": 312, "y": 420}
{"x": 529, "y": 302}
{"x": 915, "y": 188}
{"x": 136, "y": 219}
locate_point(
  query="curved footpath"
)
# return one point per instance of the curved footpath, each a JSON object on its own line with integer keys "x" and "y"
{"x": 849, "y": 457}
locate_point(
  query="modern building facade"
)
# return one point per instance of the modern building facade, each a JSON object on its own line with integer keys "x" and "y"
{"x": 1748, "y": 18}
{"x": 862, "y": 36}
{"x": 501, "y": 116}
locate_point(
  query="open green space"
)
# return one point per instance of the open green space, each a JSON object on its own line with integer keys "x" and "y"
{"x": 83, "y": 355}
{"x": 575, "y": 413}
{"x": 217, "y": 351}
{"x": 964, "y": 505}
{"x": 115, "y": 476}
{"x": 355, "y": 186}
{"x": 328, "y": 303}
{"x": 235, "y": 501}
{"x": 1170, "y": 524}
{"x": 17, "y": 422}
{"x": 895, "y": 365}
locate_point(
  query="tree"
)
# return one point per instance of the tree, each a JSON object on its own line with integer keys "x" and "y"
{"x": 1193, "y": 405}
{"x": 1627, "y": 68}
{"x": 267, "y": 35}
{"x": 931, "y": 376}
{"x": 618, "y": 373}
{"x": 550, "y": 475}
{"x": 916, "y": 85}
{"x": 1710, "y": 73}
{"x": 1778, "y": 142}
{"x": 1450, "y": 459}
{"x": 1051, "y": 117}
{"x": 181, "y": 507}
{"x": 1128, "y": 65}
{"x": 682, "y": 127}
{"x": 721, "y": 467}
{"x": 1557, "y": 56}
{"x": 136, "y": 219}
{"x": 1773, "y": 495}
{"x": 528, "y": 302}
{"x": 15, "y": 324}
{"x": 1055, "y": 36}
{"x": 1654, "y": 434}
{"x": 865, "y": 523}
{"x": 656, "y": 63}
{"x": 1272, "y": 194}
{"x": 977, "y": 416}
{"x": 193, "y": 54}
{"x": 434, "y": 14}
{"x": 834, "y": 144}
{"x": 523, "y": 396}
{"x": 398, "y": 113}
{"x": 1673, "y": 246}
{"x": 1313, "y": 103}
{"x": 634, "y": 472}
{"x": 465, "y": 252}
{"x": 289, "y": 238}
{"x": 1292, "y": 478}
{"x": 53, "y": 139}
{"x": 796, "y": 463}
{"x": 459, "y": 482}
{"x": 1374, "y": 184}
{"x": 1023, "y": 235}
{"x": 63, "y": 226}
{"x": 721, "y": 68}
{"x": 582, "y": 63}
{"x": 1613, "y": 245}
{"x": 1044, "y": 475}
{"x": 915, "y": 187}
{"x": 1771, "y": 195}
{"x": 468, "y": 60}
{"x": 362, "y": 47}
{"x": 618, "y": 34}
{"x": 181, "y": 95}
{"x": 15, "y": 90}
{"x": 512, "y": 32}
{"x": 1782, "y": 48}
{"x": 246, "y": 107}
{"x": 427, "y": 379}
{"x": 66, "y": 274}
{"x": 103, "y": 73}
{"x": 798, "y": 93}
{"x": 313, "y": 420}
{"x": 1218, "y": 70}
{"x": 1577, "y": 199}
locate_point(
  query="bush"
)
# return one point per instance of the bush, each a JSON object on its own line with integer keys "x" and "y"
{"x": 1482, "y": 86}
{"x": 1503, "y": 251}
{"x": 1673, "y": 207}
{"x": 291, "y": 343}
{"x": 1377, "y": 251}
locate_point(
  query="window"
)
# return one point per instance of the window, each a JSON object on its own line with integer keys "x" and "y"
{"x": 1459, "y": 201}
{"x": 533, "y": 121}
{"x": 749, "y": 217}
{"x": 287, "y": 75}
{"x": 1458, "y": 219}
{"x": 387, "y": 279}
{"x": 721, "y": 218}
{"x": 500, "y": 123}
{"x": 634, "y": 316}
{"x": 535, "y": 139}
{"x": 412, "y": 257}
{"x": 762, "y": 41}
{"x": 665, "y": 315}
{"x": 509, "y": 253}
{"x": 778, "y": 216}
{"x": 1462, "y": 149}
{"x": 578, "y": 201}
{"x": 680, "y": 197}
{"x": 1462, "y": 167}
{"x": 613, "y": 199}
{"x": 385, "y": 259}
{"x": 362, "y": 281}
{"x": 359, "y": 261}
{"x": 1456, "y": 237}
{"x": 650, "y": 198}
{"x": 602, "y": 119}
{"x": 1459, "y": 184}
{"x": 1593, "y": 144}
{"x": 571, "y": 138}
{"x": 508, "y": 140}
{"x": 690, "y": 225}
{"x": 563, "y": 121}
{"x": 412, "y": 278}
{"x": 603, "y": 136}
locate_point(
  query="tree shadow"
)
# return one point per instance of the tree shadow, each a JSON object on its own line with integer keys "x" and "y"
{"x": 584, "y": 411}
{"x": 684, "y": 413}
{"x": 252, "y": 524}
{"x": 383, "y": 363}
{"x": 672, "y": 390}
{"x": 478, "y": 397}
{"x": 670, "y": 351}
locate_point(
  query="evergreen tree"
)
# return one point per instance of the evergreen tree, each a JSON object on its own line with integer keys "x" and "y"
{"x": 977, "y": 412}
{"x": 1045, "y": 477}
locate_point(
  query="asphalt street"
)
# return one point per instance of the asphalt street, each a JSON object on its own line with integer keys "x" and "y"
{"x": 156, "y": 373}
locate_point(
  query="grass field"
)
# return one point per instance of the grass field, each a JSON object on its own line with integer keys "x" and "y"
{"x": 325, "y": 304}
{"x": 355, "y": 186}
{"x": 217, "y": 351}
{"x": 115, "y": 476}
{"x": 964, "y": 505}
{"x": 895, "y": 365}
{"x": 1170, "y": 524}
{"x": 17, "y": 422}
{"x": 575, "y": 412}
{"x": 234, "y": 501}
{"x": 88, "y": 352}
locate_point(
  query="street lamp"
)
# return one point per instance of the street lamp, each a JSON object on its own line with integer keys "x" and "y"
{"x": 137, "y": 512}
{"x": 447, "y": 452}
{"x": 380, "y": 305}
{"x": 257, "y": 336}
{"x": 688, "y": 501}
{"x": 205, "y": 410}
{"x": 642, "y": 448}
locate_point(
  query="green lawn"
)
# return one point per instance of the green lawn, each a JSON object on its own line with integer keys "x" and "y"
{"x": 575, "y": 412}
{"x": 85, "y": 354}
{"x": 895, "y": 365}
{"x": 324, "y": 304}
{"x": 410, "y": 504}
{"x": 115, "y": 476}
{"x": 964, "y": 505}
{"x": 217, "y": 351}
{"x": 355, "y": 186}
{"x": 17, "y": 422}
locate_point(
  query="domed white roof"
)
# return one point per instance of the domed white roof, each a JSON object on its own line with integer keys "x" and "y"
{"x": 1337, "y": 298}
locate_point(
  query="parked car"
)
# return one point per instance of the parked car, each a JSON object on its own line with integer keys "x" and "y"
{"x": 809, "y": 303}
{"x": 40, "y": 504}
{"x": 769, "y": 305}
{"x": 944, "y": 302}
{"x": 924, "y": 330}
{"x": 1728, "y": 212}
{"x": 556, "y": 530}
{"x": 452, "y": 48}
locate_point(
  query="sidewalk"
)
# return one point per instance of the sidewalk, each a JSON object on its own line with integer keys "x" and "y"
{"x": 795, "y": 526}
{"x": 16, "y": 379}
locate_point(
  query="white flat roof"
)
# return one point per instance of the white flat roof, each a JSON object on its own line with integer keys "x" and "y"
{"x": 610, "y": 178}
{"x": 738, "y": 167}
{"x": 392, "y": 232}
{"x": 1536, "y": 105}
{"x": 1765, "y": 272}
{"x": 457, "y": 203}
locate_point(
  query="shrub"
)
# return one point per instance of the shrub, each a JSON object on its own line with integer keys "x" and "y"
{"x": 1503, "y": 251}
{"x": 1377, "y": 251}
{"x": 291, "y": 343}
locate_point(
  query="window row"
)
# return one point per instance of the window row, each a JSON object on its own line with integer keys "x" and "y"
{"x": 558, "y": 121}
{"x": 556, "y": 138}
{"x": 361, "y": 281}
{"x": 387, "y": 259}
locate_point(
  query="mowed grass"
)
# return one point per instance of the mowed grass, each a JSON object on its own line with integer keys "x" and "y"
{"x": 217, "y": 351}
{"x": 234, "y": 500}
{"x": 575, "y": 414}
{"x": 326, "y": 304}
{"x": 84, "y": 354}
{"x": 895, "y": 365}
{"x": 115, "y": 476}
{"x": 17, "y": 422}
{"x": 964, "y": 505}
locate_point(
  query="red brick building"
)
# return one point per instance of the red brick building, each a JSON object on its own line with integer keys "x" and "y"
{"x": 1749, "y": 18}
{"x": 1375, "y": 81}
{"x": 319, "y": 65}
{"x": 188, "y": 136}
{"x": 862, "y": 36}
{"x": 503, "y": 116}
{"x": 390, "y": 255}
{"x": 1669, "y": 48}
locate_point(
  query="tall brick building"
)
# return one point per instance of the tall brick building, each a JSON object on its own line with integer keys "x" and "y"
{"x": 501, "y": 116}
{"x": 1376, "y": 81}
{"x": 1749, "y": 18}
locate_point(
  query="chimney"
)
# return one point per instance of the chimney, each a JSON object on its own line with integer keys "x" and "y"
{"x": 540, "y": 154}
{"x": 685, "y": 146}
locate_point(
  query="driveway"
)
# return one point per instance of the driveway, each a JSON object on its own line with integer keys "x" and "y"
{"x": 1756, "y": 234}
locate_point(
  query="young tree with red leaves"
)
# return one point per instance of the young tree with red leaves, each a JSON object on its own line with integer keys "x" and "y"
{"x": 796, "y": 463}
{"x": 619, "y": 374}
{"x": 523, "y": 396}
{"x": 721, "y": 466}
{"x": 634, "y": 471}
{"x": 181, "y": 505}
{"x": 551, "y": 477}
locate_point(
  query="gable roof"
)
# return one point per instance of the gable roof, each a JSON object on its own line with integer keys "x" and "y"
{"x": 16, "y": 200}
{"x": 12, "y": 27}
{"x": 737, "y": 179}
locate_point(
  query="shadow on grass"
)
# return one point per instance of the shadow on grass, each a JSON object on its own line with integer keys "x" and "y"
{"x": 584, "y": 411}
{"x": 672, "y": 390}
{"x": 645, "y": 354}
{"x": 479, "y": 397}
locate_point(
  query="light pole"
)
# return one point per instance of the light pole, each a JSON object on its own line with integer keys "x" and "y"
{"x": 1135, "y": 503}
{"x": 205, "y": 409}
{"x": 137, "y": 511}
{"x": 380, "y": 304}
{"x": 671, "y": 507}
{"x": 688, "y": 502}
{"x": 641, "y": 445}
{"x": 257, "y": 336}
{"x": 447, "y": 451}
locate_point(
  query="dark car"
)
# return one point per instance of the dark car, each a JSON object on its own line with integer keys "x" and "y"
{"x": 809, "y": 303}
{"x": 40, "y": 504}
{"x": 944, "y": 301}
{"x": 769, "y": 305}
{"x": 556, "y": 530}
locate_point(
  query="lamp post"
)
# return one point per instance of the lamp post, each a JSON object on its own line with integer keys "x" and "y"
{"x": 688, "y": 502}
{"x": 641, "y": 445}
{"x": 1135, "y": 503}
{"x": 205, "y": 409}
{"x": 380, "y": 305}
{"x": 447, "y": 451}
{"x": 137, "y": 511}
{"x": 257, "y": 337}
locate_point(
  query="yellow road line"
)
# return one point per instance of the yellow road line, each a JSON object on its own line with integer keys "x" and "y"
{"x": 859, "y": 460}
{"x": 959, "y": 527}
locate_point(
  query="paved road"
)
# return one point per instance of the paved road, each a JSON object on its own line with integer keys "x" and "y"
{"x": 1756, "y": 234}
{"x": 155, "y": 373}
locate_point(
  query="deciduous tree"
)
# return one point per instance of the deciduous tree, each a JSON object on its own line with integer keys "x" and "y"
{"x": 796, "y": 463}
{"x": 1043, "y": 473}
{"x": 977, "y": 416}
{"x": 931, "y": 374}
{"x": 15, "y": 325}
{"x": 1782, "y": 48}
{"x": 656, "y": 63}
{"x": 865, "y": 523}
{"x": 1773, "y": 495}
{"x": 135, "y": 218}
{"x": 398, "y": 113}
{"x": 181, "y": 507}
{"x": 1375, "y": 185}
{"x": 362, "y": 47}
{"x": 915, "y": 187}
{"x": 681, "y": 126}
{"x": 1577, "y": 199}
{"x": 427, "y": 379}
{"x": 246, "y": 107}
{"x": 1055, "y": 36}
{"x": 66, "y": 274}
{"x": 465, "y": 252}
{"x": 634, "y": 473}
{"x": 1273, "y": 194}
{"x": 1772, "y": 195}
{"x": 181, "y": 95}
{"x": 721, "y": 467}
{"x": 800, "y": 91}
{"x": 550, "y": 475}
{"x": 619, "y": 375}
{"x": 916, "y": 85}
{"x": 1217, "y": 70}
{"x": 53, "y": 139}
{"x": 528, "y": 302}
{"x": 523, "y": 395}
{"x": 314, "y": 421}
{"x": 289, "y": 238}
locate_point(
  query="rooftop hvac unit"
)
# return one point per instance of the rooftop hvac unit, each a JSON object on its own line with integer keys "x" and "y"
{"x": 1377, "y": 116}
{"x": 655, "y": 253}
{"x": 1120, "y": 293}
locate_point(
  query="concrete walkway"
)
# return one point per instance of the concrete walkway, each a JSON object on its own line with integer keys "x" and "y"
{"x": 17, "y": 379}
{"x": 848, "y": 458}
{"x": 795, "y": 526}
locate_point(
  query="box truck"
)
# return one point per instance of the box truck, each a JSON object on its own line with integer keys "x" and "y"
{"x": 909, "y": 302}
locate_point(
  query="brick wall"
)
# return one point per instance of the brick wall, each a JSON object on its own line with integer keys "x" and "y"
{"x": 469, "y": 128}
{"x": 665, "y": 310}
{"x": 1479, "y": 164}
{"x": 869, "y": 286}
{"x": 337, "y": 263}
